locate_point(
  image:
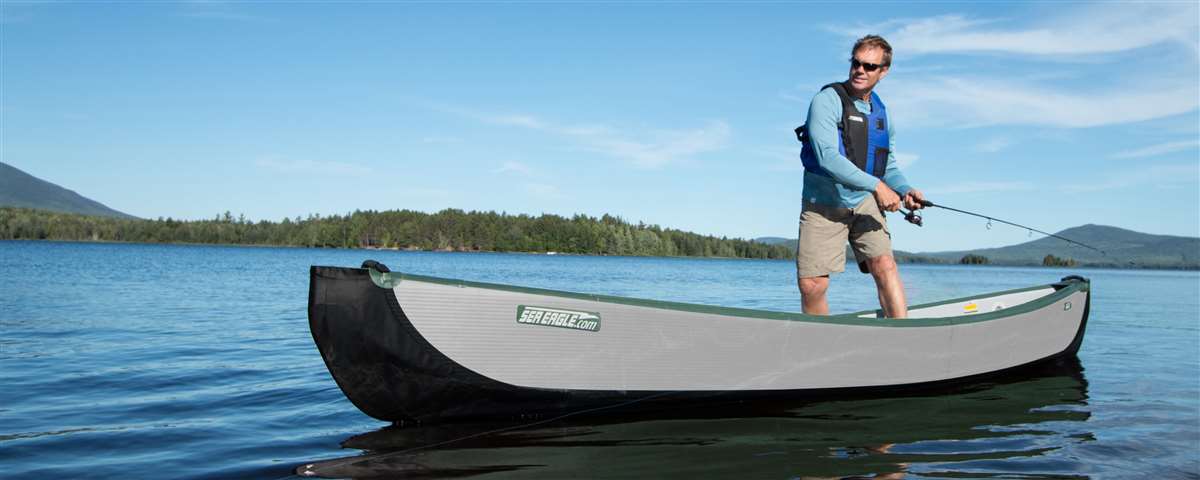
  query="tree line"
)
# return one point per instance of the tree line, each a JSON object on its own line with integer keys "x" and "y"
{"x": 447, "y": 230}
{"x": 1053, "y": 261}
{"x": 973, "y": 259}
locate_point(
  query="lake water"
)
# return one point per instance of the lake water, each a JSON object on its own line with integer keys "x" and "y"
{"x": 165, "y": 361}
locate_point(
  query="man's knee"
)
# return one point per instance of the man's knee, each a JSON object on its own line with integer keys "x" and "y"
{"x": 814, "y": 287}
{"x": 882, "y": 265}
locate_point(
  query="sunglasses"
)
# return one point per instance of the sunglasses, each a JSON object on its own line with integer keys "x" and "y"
{"x": 870, "y": 67}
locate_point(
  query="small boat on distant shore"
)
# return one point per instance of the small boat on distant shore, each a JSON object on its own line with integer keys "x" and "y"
{"x": 408, "y": 347}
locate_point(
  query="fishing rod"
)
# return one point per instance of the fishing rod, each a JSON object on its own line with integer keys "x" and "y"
{"x": 914, "y": 218}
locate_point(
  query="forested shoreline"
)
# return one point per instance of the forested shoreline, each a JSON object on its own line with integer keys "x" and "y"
{"x": 447, "y": 230}
{"x": 453, "y": 230}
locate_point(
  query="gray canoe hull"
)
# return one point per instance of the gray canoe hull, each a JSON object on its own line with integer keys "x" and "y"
{"x": 405, "y": 347}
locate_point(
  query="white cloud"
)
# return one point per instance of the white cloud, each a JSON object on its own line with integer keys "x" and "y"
{"x": 653, "y": 148}
{"x": 980, "y": 187}
{"x": 1160, "y": 149}
{"x": 905, "y": 160}
{"x": 1104, "y": 28}
{"x": 517, "y": 121}
{"x": 537, "y": 190}
{"x": 993, "y": 145}
{"x": 802, "y": 93}
{"x": 312, "y": 167}
{"x": 664, "y": 146}
{"x": 515, "y": 167}
{"x": 1158, "y": 176}
{"x": 975, "y": 102}
{"x": 1012, "y": 96}
{"x": 782, "y": 159}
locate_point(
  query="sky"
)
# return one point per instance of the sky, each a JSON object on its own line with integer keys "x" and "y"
{"x": 1050, "y": 114}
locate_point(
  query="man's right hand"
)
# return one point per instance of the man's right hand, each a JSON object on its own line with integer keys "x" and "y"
{"x": 888, "y": 200}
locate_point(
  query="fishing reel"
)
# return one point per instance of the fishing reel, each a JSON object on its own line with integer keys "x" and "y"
{"x": 913, "y": 217}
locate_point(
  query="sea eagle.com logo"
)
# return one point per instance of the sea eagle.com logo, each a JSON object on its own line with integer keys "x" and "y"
{"x": 557, "y": 317}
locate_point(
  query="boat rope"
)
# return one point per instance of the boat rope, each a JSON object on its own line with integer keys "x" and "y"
{"x": 307, "y": 469}
{"x": 915, "y": 218}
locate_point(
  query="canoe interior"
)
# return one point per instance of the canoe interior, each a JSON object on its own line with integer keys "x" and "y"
{"x": 972, "y": 305}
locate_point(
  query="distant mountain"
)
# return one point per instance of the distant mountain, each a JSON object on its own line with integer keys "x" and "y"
{"x": 1122, "y": 249}
{"x": 20, "y": 189}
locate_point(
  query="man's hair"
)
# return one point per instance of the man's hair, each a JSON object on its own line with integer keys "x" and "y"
{"x": 876, "y": 41}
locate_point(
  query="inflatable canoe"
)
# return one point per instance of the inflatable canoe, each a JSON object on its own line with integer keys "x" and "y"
{"x": 415, "y": 348}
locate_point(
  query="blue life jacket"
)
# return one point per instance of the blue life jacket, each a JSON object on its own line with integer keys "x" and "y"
{"x": 864, "y": 138}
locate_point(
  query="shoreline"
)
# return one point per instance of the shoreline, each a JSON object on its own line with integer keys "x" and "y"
{"x": 900, "y": 261}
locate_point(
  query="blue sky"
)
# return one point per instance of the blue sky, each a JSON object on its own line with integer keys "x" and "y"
{"x": 1050, "y": 114}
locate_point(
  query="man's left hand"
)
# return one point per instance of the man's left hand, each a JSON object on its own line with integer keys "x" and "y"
{"x": 913, "y": 199}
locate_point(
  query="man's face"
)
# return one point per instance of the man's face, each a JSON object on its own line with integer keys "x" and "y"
{"x": 865, "y": 58}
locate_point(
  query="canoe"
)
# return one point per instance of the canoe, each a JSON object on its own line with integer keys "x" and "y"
{"x": 413, "y": 348}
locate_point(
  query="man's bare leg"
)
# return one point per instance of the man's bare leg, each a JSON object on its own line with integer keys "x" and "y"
{"x": 812, "y": 295}
{"x": 891, "y": 290}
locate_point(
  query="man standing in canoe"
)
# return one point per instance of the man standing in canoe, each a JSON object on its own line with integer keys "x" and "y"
{"x": 850, "y": 178}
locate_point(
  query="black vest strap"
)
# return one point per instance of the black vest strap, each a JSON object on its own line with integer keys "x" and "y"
{"x": 853, "y": 126}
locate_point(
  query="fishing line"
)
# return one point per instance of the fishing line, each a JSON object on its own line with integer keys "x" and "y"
{"x": 307, "y": 471}
{"x": 915, "y": 218}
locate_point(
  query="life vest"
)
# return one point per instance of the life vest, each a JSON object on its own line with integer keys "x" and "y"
{"x": 864, "y": 138}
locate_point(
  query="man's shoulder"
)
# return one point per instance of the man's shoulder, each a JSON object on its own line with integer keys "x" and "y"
{"x": 828, "y": 92}
{"x": 827, "y": 100}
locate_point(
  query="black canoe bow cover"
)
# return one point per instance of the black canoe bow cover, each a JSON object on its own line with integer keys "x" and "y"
{"x": 389, "y": 370}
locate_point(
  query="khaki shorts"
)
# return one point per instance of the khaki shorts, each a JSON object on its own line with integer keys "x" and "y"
{"x": 825, "y": 230}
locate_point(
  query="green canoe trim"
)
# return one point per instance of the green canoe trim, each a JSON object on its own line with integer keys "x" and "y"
{"x": 392, "y": 279}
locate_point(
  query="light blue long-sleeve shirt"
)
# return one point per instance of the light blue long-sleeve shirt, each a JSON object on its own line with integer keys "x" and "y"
{"x": 849, "y": 185}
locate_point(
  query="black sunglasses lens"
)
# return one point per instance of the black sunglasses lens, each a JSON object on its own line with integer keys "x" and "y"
{"x": 870, "y": 67}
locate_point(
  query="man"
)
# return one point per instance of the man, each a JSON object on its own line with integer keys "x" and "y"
{"x": 850, "y": 178}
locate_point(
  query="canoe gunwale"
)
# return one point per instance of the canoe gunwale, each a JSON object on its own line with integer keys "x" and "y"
{"x": 1063, "y": 289}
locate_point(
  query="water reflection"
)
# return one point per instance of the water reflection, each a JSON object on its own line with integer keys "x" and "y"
{"x": 1018, "y": 425}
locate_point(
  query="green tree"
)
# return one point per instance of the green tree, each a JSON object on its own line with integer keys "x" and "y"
{"x": 973, "y": 259}
{"x": 1053, "y": 261}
